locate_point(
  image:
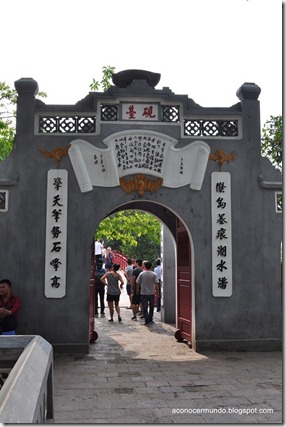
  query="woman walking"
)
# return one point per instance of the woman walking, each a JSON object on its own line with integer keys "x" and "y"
{"x": 113, "y": 290}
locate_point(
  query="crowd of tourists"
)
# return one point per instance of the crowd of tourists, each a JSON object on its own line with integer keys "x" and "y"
{"x": 143, "y": 286}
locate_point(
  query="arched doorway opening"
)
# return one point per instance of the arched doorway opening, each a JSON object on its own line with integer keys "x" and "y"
{"x": 178, "y": 270}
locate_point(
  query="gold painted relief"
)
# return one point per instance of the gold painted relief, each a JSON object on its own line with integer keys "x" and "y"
{"x": 57, "y": 153}
{"x": 140, "y": 183}
{"x": 221, "y": 157}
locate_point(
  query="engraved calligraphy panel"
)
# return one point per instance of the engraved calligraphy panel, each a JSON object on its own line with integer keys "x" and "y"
{"x": 136, "y": 111}
{"x": 137, "y": 151}
{"x": 221, "y": 234}
{"x": 56, "y": 233}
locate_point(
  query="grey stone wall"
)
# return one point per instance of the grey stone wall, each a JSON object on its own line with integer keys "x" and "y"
{"x": 251, "y": 319}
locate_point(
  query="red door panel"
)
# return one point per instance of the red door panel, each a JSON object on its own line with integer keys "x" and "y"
{"x": 92, "y": 334}
{"x": 184, "y": 284}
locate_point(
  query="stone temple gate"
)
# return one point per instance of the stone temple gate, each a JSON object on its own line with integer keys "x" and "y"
{"x": 199, "y": 170}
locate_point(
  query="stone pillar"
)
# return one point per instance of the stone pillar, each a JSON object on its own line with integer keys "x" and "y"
{"x": 27, "y": 89}
{"x": 248, "y": 94}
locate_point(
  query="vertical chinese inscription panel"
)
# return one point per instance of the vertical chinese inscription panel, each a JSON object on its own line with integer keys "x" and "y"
{"x": 56, "y": 233}
{"x": 221, "y": 234}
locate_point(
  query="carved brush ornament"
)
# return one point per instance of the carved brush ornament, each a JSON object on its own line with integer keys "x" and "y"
{"x": 221, "y": 157}
{"x": 57, "y": 153}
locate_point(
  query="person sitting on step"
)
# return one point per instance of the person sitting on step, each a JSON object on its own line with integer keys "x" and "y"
{"x": 9, "y": 307}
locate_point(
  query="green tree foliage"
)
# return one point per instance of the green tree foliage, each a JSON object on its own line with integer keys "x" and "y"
{"x": 7, "y": 134}
{"x": 271, "y": 142}
{"x": 135, "y": 233}
{"x": 105, "y": 82}
{"x": 8, "y": 100}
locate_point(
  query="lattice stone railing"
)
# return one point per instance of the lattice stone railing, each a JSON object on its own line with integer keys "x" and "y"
{"x": 169, "y": 114}
{"x": 67, "y": 124}
{"x": 109, "y": 113}
{"x": 203, "y": 127}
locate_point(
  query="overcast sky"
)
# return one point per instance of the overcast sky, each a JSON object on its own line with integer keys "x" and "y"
{"x": 205, "y": 49}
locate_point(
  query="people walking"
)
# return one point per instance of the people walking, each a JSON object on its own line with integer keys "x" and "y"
{"x": 98, "y": 250}
{"x": 99, "y": 289}
{"x": 148, "y": 283}
{"x": 136, "y": 299}
{"x": 108, "y": 260}
{"x": 112, "y": 279}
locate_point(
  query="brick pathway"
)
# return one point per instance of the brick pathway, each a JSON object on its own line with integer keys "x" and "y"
{"x": 137, "y": 374}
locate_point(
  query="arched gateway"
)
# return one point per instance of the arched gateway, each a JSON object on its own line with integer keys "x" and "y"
{"x": 199, "y": 170}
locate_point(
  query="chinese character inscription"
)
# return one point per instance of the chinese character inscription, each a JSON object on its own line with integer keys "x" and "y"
{"x": 56, "y": 234}
{"x": 221, "y": 234}
{"x": 140, "y": 152}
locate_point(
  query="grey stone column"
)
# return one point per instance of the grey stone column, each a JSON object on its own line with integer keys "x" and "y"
{"x": 27, "y": 89}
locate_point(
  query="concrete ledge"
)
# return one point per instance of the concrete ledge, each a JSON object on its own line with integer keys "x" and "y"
{"x": 270, "y": 185}
{"x": 239, "y": 345}
{"x": 27, "y": 395}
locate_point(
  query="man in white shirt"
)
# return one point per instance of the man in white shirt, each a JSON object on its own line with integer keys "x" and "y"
{"x": 98, "y": 250}
{"x": 148, "y": 282}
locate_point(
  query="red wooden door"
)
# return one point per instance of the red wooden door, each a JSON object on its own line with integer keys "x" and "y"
{"x": 184, "y": 284}
{"x": 92, "y": 334}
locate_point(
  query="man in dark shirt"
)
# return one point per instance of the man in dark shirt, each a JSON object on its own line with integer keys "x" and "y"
{"x": 99, "y": 289}
{"x": 148, "y": 283}
{"x": 9, "y": 307}
{"x": 136, "y": 299}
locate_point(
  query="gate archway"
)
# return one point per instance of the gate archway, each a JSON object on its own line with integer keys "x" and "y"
{"x": 178, "y": 258}
{"x": 72, "y": 165}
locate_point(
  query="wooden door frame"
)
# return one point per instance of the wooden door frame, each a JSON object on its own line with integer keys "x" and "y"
{"x": 180, "y": 335}
{"x": 92, "y": 333}
{"x": 144, "y": 205}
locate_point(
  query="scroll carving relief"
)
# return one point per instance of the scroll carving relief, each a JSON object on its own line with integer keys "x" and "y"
{"x": 137, "y": 152}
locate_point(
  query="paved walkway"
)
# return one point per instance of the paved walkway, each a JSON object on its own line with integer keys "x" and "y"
{"x": 137, "y": 374}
